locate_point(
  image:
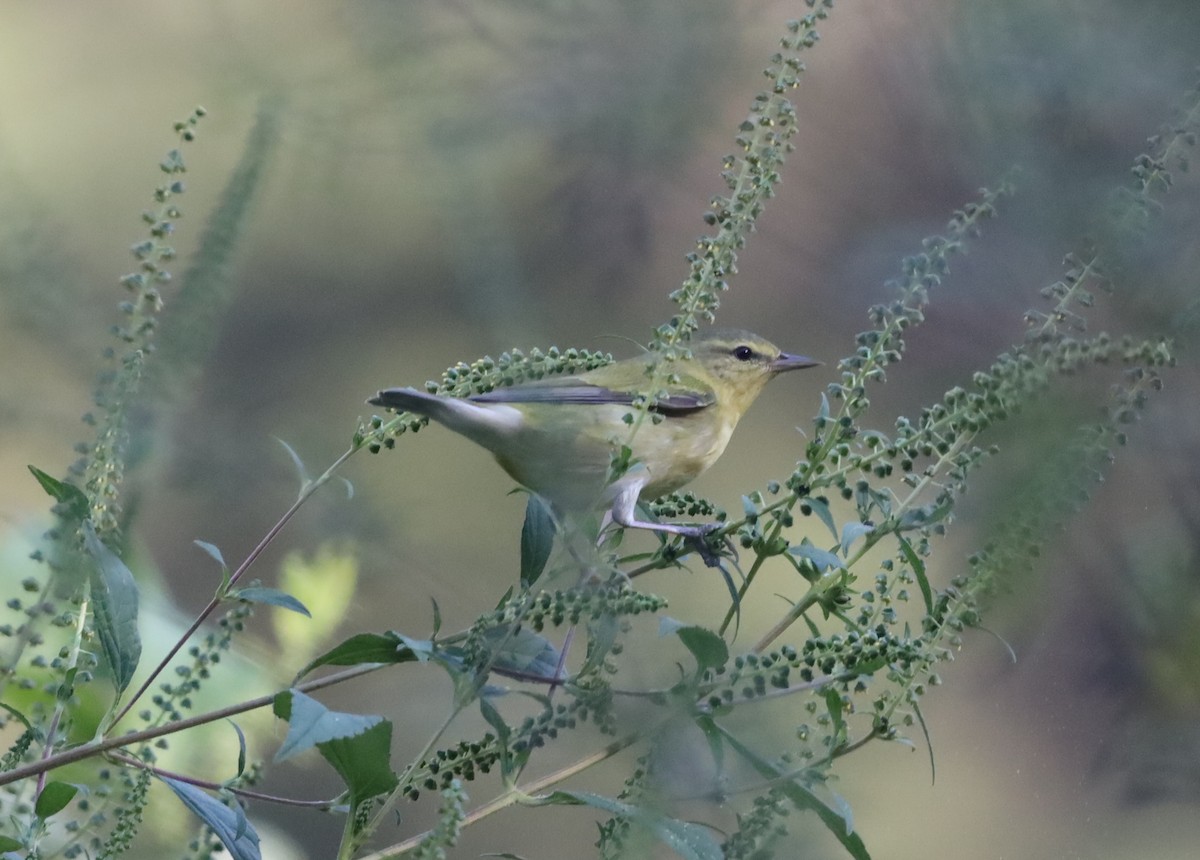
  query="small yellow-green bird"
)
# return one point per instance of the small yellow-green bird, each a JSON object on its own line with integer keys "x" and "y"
{"x": 557, "y": 436}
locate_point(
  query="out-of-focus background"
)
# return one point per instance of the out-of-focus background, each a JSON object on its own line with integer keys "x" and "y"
{"x": 429, "y": 182}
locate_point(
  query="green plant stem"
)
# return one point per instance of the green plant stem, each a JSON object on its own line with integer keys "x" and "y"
{"x": 515, "y": 795}
{"x": 96, "y": 748}
{"x": 351, "y": 841}
{"x": 759, "y": 559}
{"x": 133, "y": 761}
{"x": 306, "y": 492}
{"x": 62, "y": 700}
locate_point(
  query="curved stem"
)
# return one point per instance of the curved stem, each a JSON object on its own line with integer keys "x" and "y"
{"x": 305, "y": 493}
{"x": 96, "y": 748}
{"x": 132, "y": 761}
{"x": 514, "y": 795}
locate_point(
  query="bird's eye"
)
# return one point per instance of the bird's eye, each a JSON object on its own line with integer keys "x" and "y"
{"x": 743, "y": 353}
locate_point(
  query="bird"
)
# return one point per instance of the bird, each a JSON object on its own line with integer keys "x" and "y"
{"x": 558, "y": 436}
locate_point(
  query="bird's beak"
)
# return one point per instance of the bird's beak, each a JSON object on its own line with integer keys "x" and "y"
{"x": 786, "y": 361}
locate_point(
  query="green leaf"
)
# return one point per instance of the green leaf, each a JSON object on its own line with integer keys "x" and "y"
{"x": 229, "y": 824}
{"x": 523, "y": 651}
{"x": 7, "y": 843}
{"x": 363, "y": 762}
{"x": 820, "y": 508}
{"x": 357, "y": 746}
{"x": 837, "y": 821}
{"x": 272, "y": 596}
{"x": 241, "y": 764}
{"x": 503, "y": 730}
{"x": 17, "y": 715}
{"x": 707, "y": 647}
{"x": 54, "y": 798}
{"x": 213, "y": 551}
{"x": 928, "y": 743}
{"x": 851, "y": 532}
{"x": 822, "y": 559}
{"x": 311, "y": 723}
{"x": 690, "y": 841}
{"x": 918, "y": 569}
{"x": 75, "y": 503}
{"x": 716, "y": 741}
{"x": 537, "y": 539}
{"x": 602, "y": 635}
{"x": 833, "y": 701}
{"x": 114, "y": 609}
{"x": 386, "y": 648}
{"x": 301, "y": 470}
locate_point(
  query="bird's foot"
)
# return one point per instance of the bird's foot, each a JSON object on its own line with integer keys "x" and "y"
{"x": 710, "y": 547}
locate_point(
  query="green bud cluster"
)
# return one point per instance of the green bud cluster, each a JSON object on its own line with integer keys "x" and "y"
{"x": 464, "y": 761}
{"x": 479, "y": 377}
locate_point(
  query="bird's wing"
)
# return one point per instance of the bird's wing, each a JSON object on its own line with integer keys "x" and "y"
{"x": 679, "y": 400}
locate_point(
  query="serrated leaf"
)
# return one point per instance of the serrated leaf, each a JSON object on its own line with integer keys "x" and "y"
{"x": 311, "y": 723}
{"x": 75, "y": 503}
{"x": 709, "y": 649}
{"x": 822, "y": 559}
{"x": 918, "y": 569}
{"x": 229, "y": 825}
{"x": 363, "y": 761}
{"x": 537, "y": 539}
{"x": 271, "y": 596}
{"x": 363, "y": 648}
{"x": 114, "y": 609}
{"x": 690, "y": 841}
{"x": 54, "y": 798}
{"x": 851, "y": 532}
{"x": 821, "y": 509}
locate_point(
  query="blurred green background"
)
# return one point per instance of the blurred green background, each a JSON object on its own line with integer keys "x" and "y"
{"x": 425, "y": 183}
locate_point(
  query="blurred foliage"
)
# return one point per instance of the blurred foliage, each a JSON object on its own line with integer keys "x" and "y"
{"x": 449, "y": 179}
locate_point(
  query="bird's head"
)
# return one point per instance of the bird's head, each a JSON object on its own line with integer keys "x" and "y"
{"x": 738, "y": 364}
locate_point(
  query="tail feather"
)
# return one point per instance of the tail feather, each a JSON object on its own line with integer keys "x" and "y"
{"x": 484, "y": 424}
{"x": 403, "y": 399}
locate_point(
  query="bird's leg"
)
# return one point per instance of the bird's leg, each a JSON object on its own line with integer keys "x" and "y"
{"x": 624, "y": 513}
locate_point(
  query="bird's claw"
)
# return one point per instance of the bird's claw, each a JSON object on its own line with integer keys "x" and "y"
{"x": 710, "y": 551}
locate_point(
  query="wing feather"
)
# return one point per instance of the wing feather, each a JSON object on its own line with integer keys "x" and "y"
{"x": 679, "y": 401}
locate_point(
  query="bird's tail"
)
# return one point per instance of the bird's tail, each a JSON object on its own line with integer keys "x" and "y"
{"x": 486, "y": 425}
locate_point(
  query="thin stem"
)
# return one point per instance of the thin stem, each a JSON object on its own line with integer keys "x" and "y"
{"x": 61, "y": 703}
{"x": 515, "y": 795}
{"x": 759, "y": 559}
{"x": 351, "y": 842}
{"x": 133, "y": 761}
{"x": 98, "y": 747}
{"x": 306, "y": 492}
